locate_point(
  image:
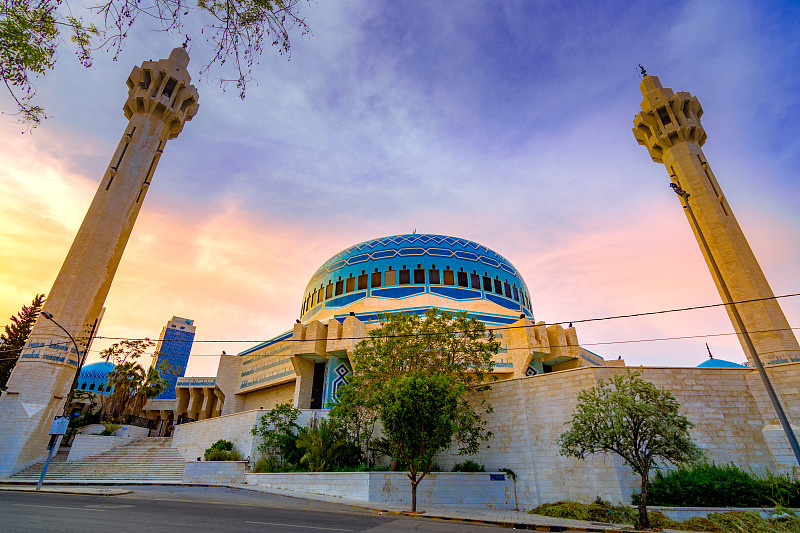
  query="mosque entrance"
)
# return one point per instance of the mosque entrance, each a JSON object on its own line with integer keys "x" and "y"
{"x": 317, "y": 385}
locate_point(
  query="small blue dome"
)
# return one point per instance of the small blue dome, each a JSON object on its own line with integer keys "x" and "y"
{"x": 719, "y": 363}
{"x": 94, "y": 377}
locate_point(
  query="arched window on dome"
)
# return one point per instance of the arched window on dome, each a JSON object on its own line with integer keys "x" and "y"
{"x": 339, "y": 287}
{"x": 362, "y": 281}
{"x": 350, "y": 284}
{"x": 419, "y": 275}
{"x": 91, "y": 386}
{"x": 375, "y": 279}
{"x": 329, "y": 290}
{"x": 507, "y": 289}
{"x": 448, "y": 276}
{"x": 389, "y": 278}
{"x": 83, "y": 387}
{"x": 498, "y": 286}
{"x": 516, "y": 294}
{"x": 404, "y": 276}
{"x": 433, "y": 276}
{"x": 475, "y": 280}
{"x": 487, "y": 283}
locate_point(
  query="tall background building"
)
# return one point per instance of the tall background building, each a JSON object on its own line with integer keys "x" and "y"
{"x": 173, "y": 349}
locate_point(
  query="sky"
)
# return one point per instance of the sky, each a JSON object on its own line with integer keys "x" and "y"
{"x": 507, "y": 123}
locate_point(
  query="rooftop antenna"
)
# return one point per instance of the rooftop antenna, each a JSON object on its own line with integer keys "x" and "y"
{"x": 642, "y": 71}
{"x": 709, "y": 352}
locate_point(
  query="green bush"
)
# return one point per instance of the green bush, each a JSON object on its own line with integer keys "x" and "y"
{"x": 711, "y": 485}
{"x": 222, "y": 450}
{"x": 469, "y": 466}
{"x": 597, "y": 511}
{"x": 109, "y": 428}
{"x": 222, "y": 444}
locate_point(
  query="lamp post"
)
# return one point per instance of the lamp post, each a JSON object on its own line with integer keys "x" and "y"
{"x": 728, "y": 300}
{"x": 54, "y": 437}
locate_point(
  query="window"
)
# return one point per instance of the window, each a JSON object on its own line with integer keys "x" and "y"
{"x": 339, "y": 287}
{"x": 388, "y": 279}
{"x": 329, "y": 290}
{"x": 663, "y": 114}
{"x": 375, "y": 279}
{"x": 419, "y": 276}
{"x": 507, "y": 289}
{"x": 463, "y": 280}
{"x": 449, "y": 278}
{"x": 362, "y": 281}
{"x": 498, "y": 286}
{"x": 405, "y": 276}
{"x": 487, "y": 284}
{"x": 475, "y": 280}
{"x": 350, "y": 284}
{"x": 91, "y": 386}
{"x": 83, "y": 386}
{"x": 516, "y": 294}
{"x": 433, "y": 276}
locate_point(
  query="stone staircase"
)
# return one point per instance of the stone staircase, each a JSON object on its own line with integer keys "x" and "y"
{"x": 145, "y": 460}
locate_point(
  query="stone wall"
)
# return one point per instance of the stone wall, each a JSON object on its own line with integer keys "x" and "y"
{"x": 86, "y": 445}
{"x": 214, "y": 472}
{"x": 193, "y": 438}
{"x": 480, "y": 489}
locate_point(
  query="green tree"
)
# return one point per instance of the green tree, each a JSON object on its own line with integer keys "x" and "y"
{"x": 634, "y": 419}
{"x": 278, "y": 430}
{"x": 16, "y": 334}
{"x": 441, "y": 360}
{"x": 325, "y": 447}
{"x": 31, "y": 32}
{"x": 131, "y": 385}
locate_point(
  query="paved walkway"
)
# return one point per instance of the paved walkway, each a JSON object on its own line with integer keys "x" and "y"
{"x": 502, "y": 517}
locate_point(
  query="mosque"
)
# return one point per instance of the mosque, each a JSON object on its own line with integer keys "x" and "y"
{"x": 344, "y": 299}
{"x": 541, "y": 367}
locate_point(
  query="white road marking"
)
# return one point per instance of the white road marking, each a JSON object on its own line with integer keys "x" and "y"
{"x": 59, "y": 507}
{"x": 291, "y": 525}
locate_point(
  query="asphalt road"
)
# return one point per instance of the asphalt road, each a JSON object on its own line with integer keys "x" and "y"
{"x": 199, "y": 509}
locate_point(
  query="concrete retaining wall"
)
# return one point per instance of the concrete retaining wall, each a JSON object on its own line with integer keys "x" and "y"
{"x": 86, "y": 445}
{"x": 685, "y": 513}
{"x": 193, "y": 438}
{"x": 214, "y": 472}
{"x": 480, "y": 489}
{"x": 125, "y": 431}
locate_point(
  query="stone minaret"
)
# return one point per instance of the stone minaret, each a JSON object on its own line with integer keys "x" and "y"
{"x": 669, "y": 126}
{"x": 160, "y": 100}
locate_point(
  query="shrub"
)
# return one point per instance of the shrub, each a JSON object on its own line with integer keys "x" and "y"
{"x": 711, "y": 485}
{"x": 222, "y": 444}
{"x": 109, "y": 428}
{"x": 469, "y": 466}
{"x": 222, "y": 450}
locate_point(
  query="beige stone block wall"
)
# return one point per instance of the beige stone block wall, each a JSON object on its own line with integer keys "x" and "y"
{"x": 530, "y": 414}
{"x": 269, "y": 398}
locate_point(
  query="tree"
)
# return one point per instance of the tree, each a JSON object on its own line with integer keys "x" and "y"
{"x": 30, "y": 33}
{"x": 130, "y": 384}
{"x": 278, "y": 430}
{"x": 421, "y": 373}
{"x": 16, "y": 334}
{"x": 634, "y": 419}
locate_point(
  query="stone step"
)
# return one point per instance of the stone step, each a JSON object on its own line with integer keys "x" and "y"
{"x": 148, "y": 459}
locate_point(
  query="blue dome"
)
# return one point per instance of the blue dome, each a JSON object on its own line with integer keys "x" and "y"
{"x": 422, "y": 270}
{"x": 719, "y": 363}
{"x": 95, "y": 376}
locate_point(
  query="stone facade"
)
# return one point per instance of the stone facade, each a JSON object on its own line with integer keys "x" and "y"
{"x": 669, "y": 126}
{"x": 160, "y": 100}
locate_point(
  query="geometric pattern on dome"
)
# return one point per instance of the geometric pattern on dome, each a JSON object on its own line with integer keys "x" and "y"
{"x": 440, "y": 246}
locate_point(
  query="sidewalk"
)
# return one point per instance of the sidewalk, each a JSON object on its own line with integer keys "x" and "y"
{"x": 501, "y": 517}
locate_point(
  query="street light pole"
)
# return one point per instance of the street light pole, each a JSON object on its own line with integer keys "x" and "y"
{"x": 49, "y": 316}
{"x": 54, "y": 438}
{"x": 776, "y": 404}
